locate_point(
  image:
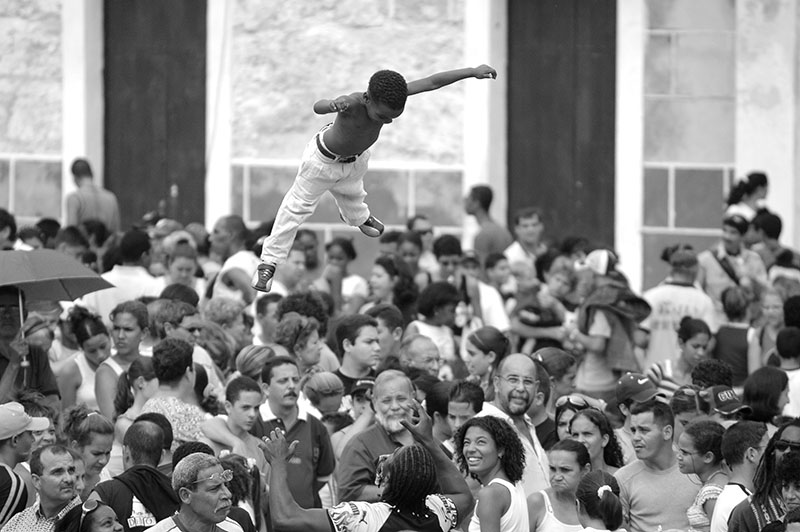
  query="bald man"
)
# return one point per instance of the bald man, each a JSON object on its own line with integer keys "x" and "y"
{"x": 515, "y": 386}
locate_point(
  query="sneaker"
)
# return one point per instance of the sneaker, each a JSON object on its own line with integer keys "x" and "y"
{"x": 262, "y": 279}
{"x": 372, "y": 227}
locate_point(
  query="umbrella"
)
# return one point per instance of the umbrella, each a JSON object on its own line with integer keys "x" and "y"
{"x": 47, "y": 275}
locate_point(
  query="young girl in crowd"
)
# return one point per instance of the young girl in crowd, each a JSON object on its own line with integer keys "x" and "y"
{"x": 693, "y": 338}
{"x": 597, "y": 499}
{"x": 561, "y": 366}
{"x": 486, "y": 347}
{"x": 731, "y": 340}
{"x": 391, "y": 282}
{"x": 569, "y": 405}
{"x": 352, "y": 291}
{"x": 766, "y": 392}
{"x": 699, "y": 453}
{"x": 592, "y": 428}
{"x": 437, "y": 306}
{"x": 77, "y": 379}
{"x": 554, "y": 509}
{"x": 410, "y": 249}
{"x": 488, "y": 449}
{"x": 91, "y": 435}
{"x": 134, "y": 388}
{"x": 761, "y": 343}
{"x": 129, "y": 326}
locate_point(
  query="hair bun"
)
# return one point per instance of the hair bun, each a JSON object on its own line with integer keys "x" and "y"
{"x": 603, "y": 489}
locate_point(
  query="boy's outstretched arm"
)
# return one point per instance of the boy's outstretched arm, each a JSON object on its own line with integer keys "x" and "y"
{"x": 338, "y": 105}
{"x": 440, "y": 79}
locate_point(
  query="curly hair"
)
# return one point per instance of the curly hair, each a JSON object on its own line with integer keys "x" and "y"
{"x": 707, "y": 437}
{"x": 309, "y": 304}
{"x": 505, "y": 439}
{"x": 612, "y": 452}
{"x": 712, "y": 372}
{"x": 389, "y": 87}
{"x": 411, "y": 477}
{"x": 294, "y": 330}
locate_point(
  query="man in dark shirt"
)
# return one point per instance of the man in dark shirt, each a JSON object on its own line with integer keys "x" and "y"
{"x": 141, "y": 496}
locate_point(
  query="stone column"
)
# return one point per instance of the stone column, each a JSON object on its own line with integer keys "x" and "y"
{"x": 83, "y": 92}
{"x": 485, "y": 145}
{"x": 766, "y": 103}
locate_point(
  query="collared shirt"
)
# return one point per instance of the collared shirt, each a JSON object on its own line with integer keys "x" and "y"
{"x": 313, "y": 460}
{"x": 359, "y": 461}
{"x": 536, "y": 475}
{"x": 33, "y": 520}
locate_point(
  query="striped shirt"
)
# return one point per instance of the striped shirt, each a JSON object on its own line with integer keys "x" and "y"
{"x": 13, "y": 494}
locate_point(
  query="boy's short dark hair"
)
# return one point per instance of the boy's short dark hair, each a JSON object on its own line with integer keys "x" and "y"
{"x": 467, "y": 392}
{"x": 791, "y": 311}
{"x": 437, "y": 397}
{"x": 662, "y": 413}
{"x": 389, "y": 87}
{"x": 389, "y": 314}
{"x": 239, "y": 385}
{"x": 493, "y": 259}
{"x": 350, "y": 327}
{"x": 738, "y": 438}
{"x": 712, "y": 372}
{"x": 446, "y": 245}
{"x": 180, "y": 292}
{"x": 769, "y": 223}
{"x": 171, "y": 358}
{"x": 133, "y": 245}
{"x": 788, "y": 342}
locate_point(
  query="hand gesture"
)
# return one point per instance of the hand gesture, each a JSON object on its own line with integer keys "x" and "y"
{"x": 422, "y": 430}
{"x": 18, "y": 350}
{"x": 485, "y": 72}
{"x": 276, "y": 448}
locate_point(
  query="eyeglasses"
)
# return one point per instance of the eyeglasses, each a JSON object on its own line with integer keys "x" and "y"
{"x": 575, "y": 400}
{"x": 88, "y": 507}
{"x": 226, "y": 476}
{"x": 515, "y": 381}
{"x": 783, "y": 446}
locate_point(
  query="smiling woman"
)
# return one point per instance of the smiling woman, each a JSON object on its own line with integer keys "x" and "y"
{"x": 488, "y": 448}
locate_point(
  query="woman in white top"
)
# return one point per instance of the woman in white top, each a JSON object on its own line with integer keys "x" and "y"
{"x": 129, "y": 327}
{"x": 76, "y": 380}
{"x": 597, "y": 499}
{"x": 135, "y": 386}
{"x": 553, "y": 509}
{"x": 488, "y": 448}
{"x": 747, "y": 195}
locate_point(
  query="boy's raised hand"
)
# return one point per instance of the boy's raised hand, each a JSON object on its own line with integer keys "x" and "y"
{"x": 485, "y": 72}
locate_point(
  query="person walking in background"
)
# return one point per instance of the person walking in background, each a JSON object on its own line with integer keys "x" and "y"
{"x": 91, "y": 201}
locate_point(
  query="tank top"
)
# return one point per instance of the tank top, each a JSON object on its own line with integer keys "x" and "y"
{"x": 113, "y": 364}
{"x": 550, "y": 523}
{"x": 515, "y": 518}
{"x": 85, "y": 392}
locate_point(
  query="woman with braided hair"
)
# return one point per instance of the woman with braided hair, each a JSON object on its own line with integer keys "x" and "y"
{"x": 420, "y": 487}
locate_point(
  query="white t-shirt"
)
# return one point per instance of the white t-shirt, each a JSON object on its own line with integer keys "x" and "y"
{"x": 729, "y": 498}
{"x": 244, "y": 260}
{"x": 792, "y": 409}
{"x": 669, "y": 303}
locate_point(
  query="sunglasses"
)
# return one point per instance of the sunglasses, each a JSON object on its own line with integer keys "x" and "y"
{"x": 575, "y": 400}
{"x": 783, "y": 446}
{"x": 88, "y": 507}
{"x": 226, "y": 476}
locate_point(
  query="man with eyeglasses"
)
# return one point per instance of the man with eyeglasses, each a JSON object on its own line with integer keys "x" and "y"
{"x": 202, "y": 486}
{"x": 742, "y": 446}
{"x": 515, "y": 387}
{"x": 52, "y": 472}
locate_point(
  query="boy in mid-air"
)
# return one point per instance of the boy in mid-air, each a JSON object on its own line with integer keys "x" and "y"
{"x": 335, "y": 160}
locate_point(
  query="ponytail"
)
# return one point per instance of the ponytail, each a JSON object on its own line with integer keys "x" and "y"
{"x": 124, "y": 398}
{"x": 598, "y": 493}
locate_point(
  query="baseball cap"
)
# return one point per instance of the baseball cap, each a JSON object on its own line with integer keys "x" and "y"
{"x": 635, "y": 386}
{"x": 362, "y": 386}
{"x": 14, "y": 421}
{"x": 726, "y": 401}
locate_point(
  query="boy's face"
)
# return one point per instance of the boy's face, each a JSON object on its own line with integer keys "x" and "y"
{"x": 500, "y": 273}
{"x": 380, "y": 112}
{"x": 243, "y": 411}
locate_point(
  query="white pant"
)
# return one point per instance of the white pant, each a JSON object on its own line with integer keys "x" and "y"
{"x": 316, "y": 175}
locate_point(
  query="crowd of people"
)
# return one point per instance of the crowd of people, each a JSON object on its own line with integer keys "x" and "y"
{"x": 522, "y": 385}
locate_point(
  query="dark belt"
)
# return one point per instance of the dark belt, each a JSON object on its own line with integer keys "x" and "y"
{"x": 332, "y": 156}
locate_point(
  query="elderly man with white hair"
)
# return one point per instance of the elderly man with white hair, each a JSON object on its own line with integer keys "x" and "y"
{"x": 201, "y": 484}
